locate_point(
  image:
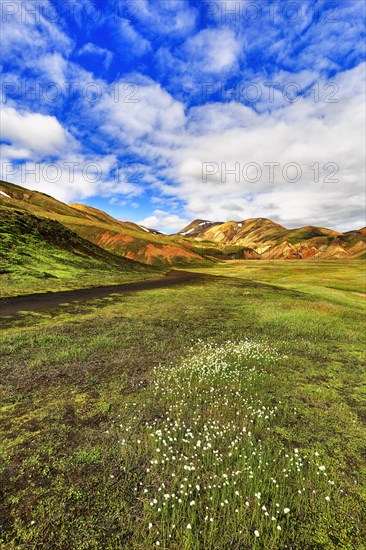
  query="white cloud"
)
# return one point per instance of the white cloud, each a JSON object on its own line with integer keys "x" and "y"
{"x": 143, "y": 109}
{"x": 42, "y": 134}
{"x": 304, "y": 133}
{"x": 214, "y": 51}
{"x": 26, "y": 37}
{"x": 72, "y": 176}
{"x": 14, "y": 153}
{"x": 175, "y": 143}
{"x": 44, "y": 156}
{"x": 173, "y": 17}
{"x": 53, "y": 67}
{"x": 128, "y": 34}
{"x": 164, "y": 221}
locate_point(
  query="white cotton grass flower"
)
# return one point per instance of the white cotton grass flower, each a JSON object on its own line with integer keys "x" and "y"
{"x": 206, "y": 450}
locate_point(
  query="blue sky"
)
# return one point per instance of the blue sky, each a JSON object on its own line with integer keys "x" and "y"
{"x": 162, "y": 111}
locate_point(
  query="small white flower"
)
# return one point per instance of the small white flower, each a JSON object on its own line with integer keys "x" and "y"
{"x": 192, "y": 503}
{"x": 279, "y": 527}
{"x": 256, "y": 532}
{"x": 322, "y": 468}
{"x": 150, "y": 525}
{"x": 189, "y": 526}
{"x": 286, "y": 510}
{"x": 327, "y": 498}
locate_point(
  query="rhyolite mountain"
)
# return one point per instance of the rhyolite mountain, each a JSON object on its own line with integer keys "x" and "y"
{"x": 201, "y": 241}
{"x": 263, "y": 238}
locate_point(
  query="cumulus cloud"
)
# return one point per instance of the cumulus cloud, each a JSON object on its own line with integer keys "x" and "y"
{"x": 303, "y": 133}
{"x": 39, "y": 133}
{"x": 164, "y": 221}
{"x": 51, "y": 160}
{"x": 229, "y": 135}
{"x": 143, "y": 109}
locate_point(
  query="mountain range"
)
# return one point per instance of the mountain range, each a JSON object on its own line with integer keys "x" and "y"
{"x": 84, "y": 230}
{"x": 262, "y": 238}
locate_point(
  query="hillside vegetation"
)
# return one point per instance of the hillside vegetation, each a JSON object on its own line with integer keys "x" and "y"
{"x": 40, "y": 254}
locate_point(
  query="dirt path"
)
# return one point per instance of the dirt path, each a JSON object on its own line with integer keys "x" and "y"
{"x": 48, "y": 300}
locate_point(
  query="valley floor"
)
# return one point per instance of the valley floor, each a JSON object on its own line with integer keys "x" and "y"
{"x": 225, "y": 413}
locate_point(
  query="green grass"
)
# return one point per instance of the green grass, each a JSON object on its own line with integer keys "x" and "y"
{"x": 41, "y": 255}
{"x": 323, "y": 278}
{"x": 86, "y": 389}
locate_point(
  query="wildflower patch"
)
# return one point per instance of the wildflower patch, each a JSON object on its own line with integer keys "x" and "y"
{"x": 216, "y": 474}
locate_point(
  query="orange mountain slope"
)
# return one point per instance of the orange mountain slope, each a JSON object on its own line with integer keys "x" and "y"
{"x": 121, "y": 238}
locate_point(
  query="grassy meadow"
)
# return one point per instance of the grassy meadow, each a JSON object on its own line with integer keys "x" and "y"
{"x": 227, "y": 413}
